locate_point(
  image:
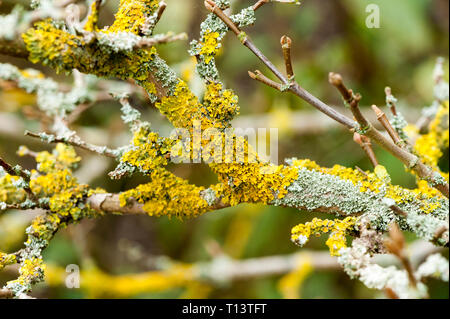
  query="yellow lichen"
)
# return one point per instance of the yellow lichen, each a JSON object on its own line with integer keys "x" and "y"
{"x": 132, "y": 15}
{"x": 92, "y": 19}
{"x": 429, "y": 146}
{"x": 338, "y": 230}
{"x": 9, "y": 193}
{"x": 167, "y": 195}
{"x": 209, "y": 45}
{"x": 62, "y": 157}
{"x": 30, "y": 271}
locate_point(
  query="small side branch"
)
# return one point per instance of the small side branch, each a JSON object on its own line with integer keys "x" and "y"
{"x": 161, "y": 9}
{"x": 258, "y": 76}
{"x": 382, "y": 118}
{"x": 166, "y": 38}
{"x": 350, "y": 99}
{"x": 18, "y": 171}
{"x": 366, "y": 145}
{"x": 75, "y": 140}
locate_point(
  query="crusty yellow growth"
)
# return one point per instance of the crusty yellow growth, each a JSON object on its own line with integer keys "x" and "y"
{"x": 377, "y": 182}
{"x": 429, "y": 146}
{"x": 53, "y": 43}
{"x": 338, "y": 229}
{"x": 181, "y": 108}
{"x": 29, "y": 271}
{"x": 247, "y": 183}
{"x": 58, "y": 184}
{"x": 99, "y": 284}
{"x": 52, "y": 183}
{"x": 210, "y": 46}
{"x": 132, "y": 15}
{"x": 92, "y": 19}
{"x": 167, "y": 195}
{"x": 63, "y": 51}
{"x": 8, "y": 192}
{"x": 149, "y": 150}
{"x": 63, "y": 156}
{"x": 242, "y": 182}
{"x": 290, "y": 284}
{"x": 219, "y": 106}
{"x": 56, "y": 187}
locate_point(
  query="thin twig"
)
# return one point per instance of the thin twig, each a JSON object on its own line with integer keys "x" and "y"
{"x": 259, "y": 4}
{"x": 398, "y": 211}
{"x": 439, "y": 232}
{"x": 390, "y": 100}
{"x": 258, "y": 76}
{"x": 148, "y": 42}
{"x": 366, "y": 145}
{"x": 18, "y": 171}
{"x": 75, "y": 140}
{"x": 161, "y": 9}
{"x": 382, "y": 118}
{"x": 351, "y": 99}
{"x": 410, "y": 160}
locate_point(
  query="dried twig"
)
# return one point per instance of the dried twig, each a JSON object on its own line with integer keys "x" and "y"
{"x": 350, "y": 99}
{"x": 167, "y": 38}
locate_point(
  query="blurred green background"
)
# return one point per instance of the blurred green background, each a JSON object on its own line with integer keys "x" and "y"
{"x": 328, "y": 35}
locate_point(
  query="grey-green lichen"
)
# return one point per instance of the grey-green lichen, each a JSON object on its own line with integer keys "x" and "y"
{"x": 50, "y": 99}
{"x": 205, "y": 49}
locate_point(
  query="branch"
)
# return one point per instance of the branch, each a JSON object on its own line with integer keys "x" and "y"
{"x": 15, "y": 48}
{"x": 382, "y": 118}
{"x": 365, "y": 144}
{"x": 75, "y": 140}
{"x": 18, "y": 171}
